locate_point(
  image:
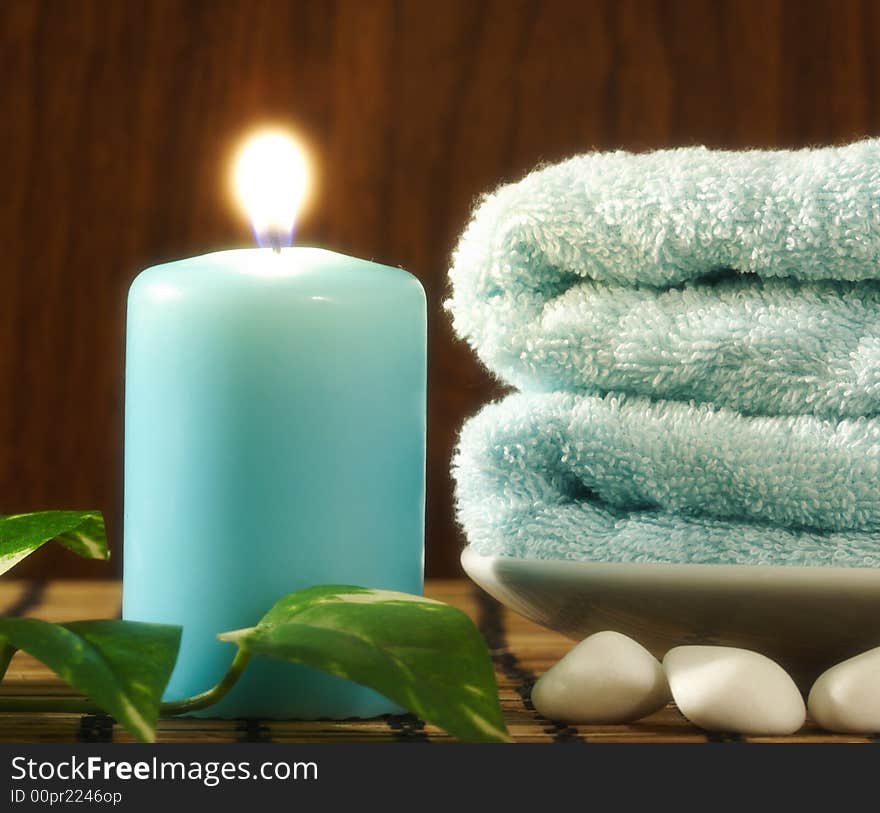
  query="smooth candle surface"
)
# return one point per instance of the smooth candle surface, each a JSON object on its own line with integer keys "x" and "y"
{"x": 275, "y": 439}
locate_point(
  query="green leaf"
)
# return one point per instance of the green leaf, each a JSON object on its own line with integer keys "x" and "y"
{"x": 422, "y": 654}
{"x": 6, "y": 653}
{"x": 79, "y": 531}
{"x": 123, "y": 666}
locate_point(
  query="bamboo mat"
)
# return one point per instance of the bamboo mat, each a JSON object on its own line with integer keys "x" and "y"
{"x": 521, "y": 651}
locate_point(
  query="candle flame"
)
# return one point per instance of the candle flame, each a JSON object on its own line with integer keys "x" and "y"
{"x": 271, "y": 178}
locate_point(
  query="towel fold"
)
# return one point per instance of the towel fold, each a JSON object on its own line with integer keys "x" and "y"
{"x": 729, "y": 303}
{"x": 567, "y": 476}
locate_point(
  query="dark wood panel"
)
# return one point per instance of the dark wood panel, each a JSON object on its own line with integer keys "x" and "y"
{"x": 119, "y": 116}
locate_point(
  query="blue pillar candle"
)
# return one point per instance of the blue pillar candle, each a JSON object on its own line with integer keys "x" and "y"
{"x": 275, "y": 439}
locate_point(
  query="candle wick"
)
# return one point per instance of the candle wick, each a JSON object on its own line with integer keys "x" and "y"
{"x": 274, "y": 239}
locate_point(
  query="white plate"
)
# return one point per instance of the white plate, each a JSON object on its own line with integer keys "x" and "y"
{"x": 806, "y": 618}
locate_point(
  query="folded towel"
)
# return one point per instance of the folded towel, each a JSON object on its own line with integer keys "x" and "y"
{"x": 567, "y": 476}
{"x": 746, "y": 282}
{"x": 602, "y": 273}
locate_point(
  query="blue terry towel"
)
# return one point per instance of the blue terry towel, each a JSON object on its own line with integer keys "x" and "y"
{"x": 696, "y": 335}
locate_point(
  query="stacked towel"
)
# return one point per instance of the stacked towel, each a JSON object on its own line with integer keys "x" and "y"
{"x": 696, "y": 340}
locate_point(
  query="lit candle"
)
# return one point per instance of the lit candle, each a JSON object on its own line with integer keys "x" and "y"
{"x": 275, "y": 439}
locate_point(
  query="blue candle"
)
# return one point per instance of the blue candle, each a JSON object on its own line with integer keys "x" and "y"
{"x": 275, "y": 439}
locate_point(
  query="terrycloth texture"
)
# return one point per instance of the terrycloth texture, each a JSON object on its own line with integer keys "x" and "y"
{"x": 566, "y": 476}
{"x": 746, "y": 282}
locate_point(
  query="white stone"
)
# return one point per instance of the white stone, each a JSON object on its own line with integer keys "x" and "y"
{"x": 721, "y": 688}
{"x": 846, "y": 698}
{"x": 606, "y": 678}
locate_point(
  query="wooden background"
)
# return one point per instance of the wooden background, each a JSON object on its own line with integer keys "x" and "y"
{"x": 118, "y": 117}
